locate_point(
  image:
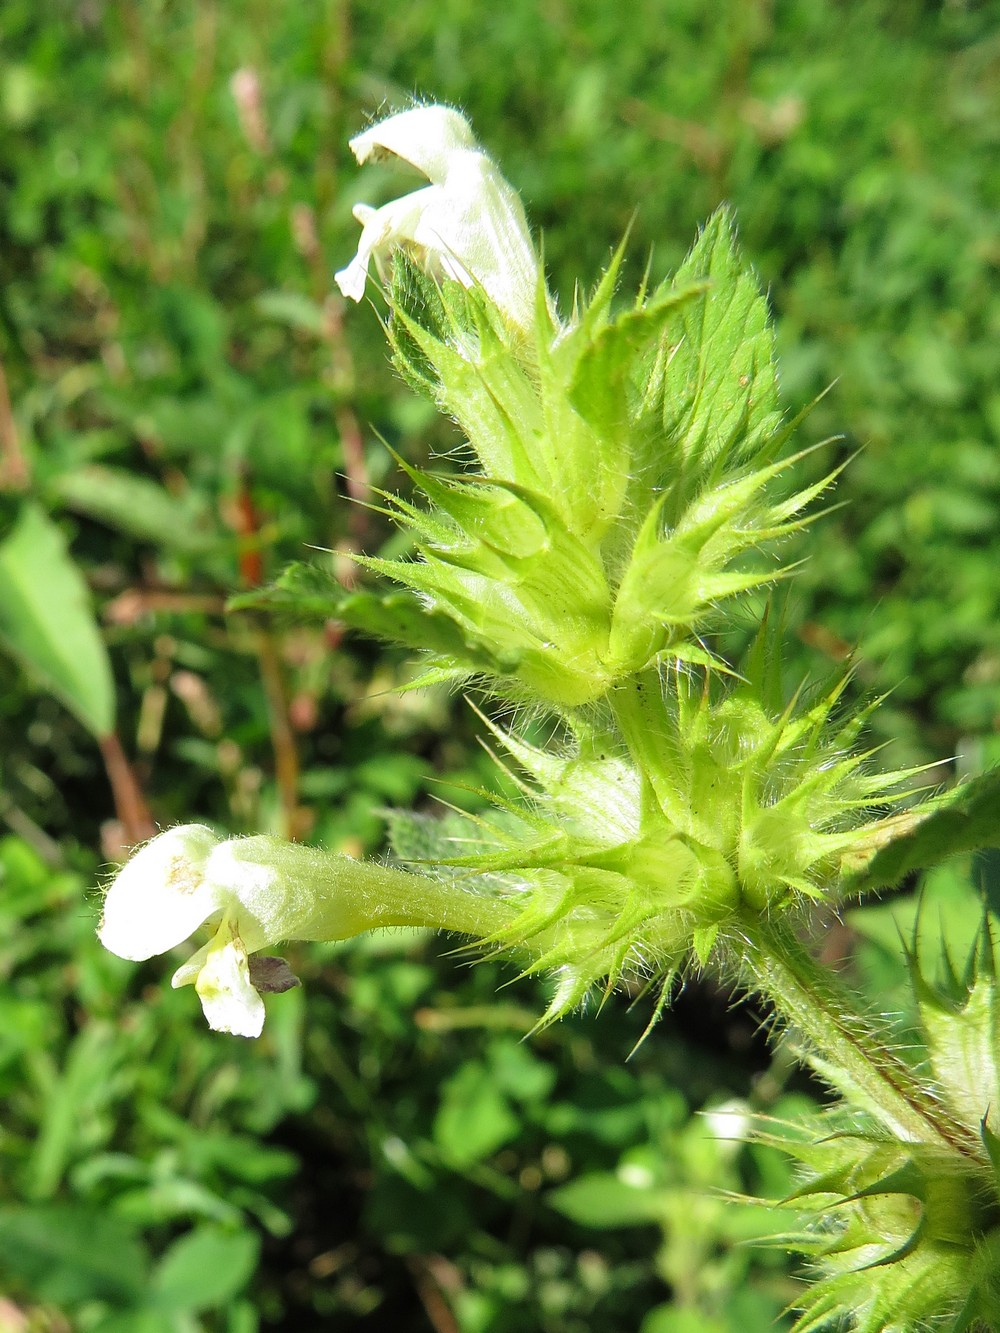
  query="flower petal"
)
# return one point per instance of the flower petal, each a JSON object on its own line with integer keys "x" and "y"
{"x": 424, "y": 136}
{"x": 161, "y": 895}
{"x": 187, "y": 973}
{"x": 383, "y": 229}
{"x": 468, "y": 224}
{"x": 223, "y": 984}
{"x": 478, "y": 220}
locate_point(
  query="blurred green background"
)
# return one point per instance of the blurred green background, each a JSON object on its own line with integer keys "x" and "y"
{"x": 185, "y": 407}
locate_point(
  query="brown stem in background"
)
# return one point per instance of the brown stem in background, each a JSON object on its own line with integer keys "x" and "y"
{"x": 286, "y": 758}
{"x": 14, "y": 471}
{"x": 432, "y": 1275}
{"x": 352, "y": 443}
{"x": 351, "y": 439}
{"x": 341, "y": 375}
{"x": 336, "y": 58}
{"x": 131, "y": 809}
{"x": 130, "y": 605}
{"x": 703, "y": 144}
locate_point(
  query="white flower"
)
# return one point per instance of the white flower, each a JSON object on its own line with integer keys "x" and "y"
{"x": 252, "y": 893}
{"x": 187, "y": 877}
{"x": 468, "y": 224}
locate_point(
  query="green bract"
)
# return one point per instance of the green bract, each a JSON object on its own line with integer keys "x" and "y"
{"x": 623, "y": 478}
{"x": 904, "y": 1232}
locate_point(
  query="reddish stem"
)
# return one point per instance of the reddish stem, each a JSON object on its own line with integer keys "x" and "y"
{"x": 130, "y": 804}
{"x": 286, "y": 758}
{"x": 14, "y": 471}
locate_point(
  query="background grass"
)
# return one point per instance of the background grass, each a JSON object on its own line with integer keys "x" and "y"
{"x": 190, "y": 406}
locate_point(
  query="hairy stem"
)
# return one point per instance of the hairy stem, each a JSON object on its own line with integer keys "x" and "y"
{"x": 853, "y": 1053}
{"x": 805, "y": 995}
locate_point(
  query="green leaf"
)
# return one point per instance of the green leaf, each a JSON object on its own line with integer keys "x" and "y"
{"x": 967, "y": 820}
{"x": 304, "y": 592}
{"x": 137, "y": 506}
{"x": 205, "y": 1269}
{"x": 720, "y": 384}
{"x": 607, "y": 363}
{"x": 47, "y": 622}
{"x": 84, "y": 1083}
{"x": 603, "y": 1199}
{"x": 140, "y": 1320}
{"x": 68, "y": 1254}
{"x": 295, "y": 310}
{"x": 473, "y": 1120}
{"x": 670, "y": 1319}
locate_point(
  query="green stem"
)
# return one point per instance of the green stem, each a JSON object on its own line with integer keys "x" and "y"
{"x": 805, "y": 995}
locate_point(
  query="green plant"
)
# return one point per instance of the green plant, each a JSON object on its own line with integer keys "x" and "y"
{"x": 623, "y": 490}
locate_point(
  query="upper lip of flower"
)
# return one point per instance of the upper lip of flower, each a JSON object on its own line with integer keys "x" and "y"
{"x": 161, "y": 895}
{"x": 468, "y": 224}
{"x": 424, "y": 136}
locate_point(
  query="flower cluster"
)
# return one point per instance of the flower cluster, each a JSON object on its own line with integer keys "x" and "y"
{"x": 624, "y": 487}
{"x": 626, "y": 463}
{"x": 903, "y": 1231}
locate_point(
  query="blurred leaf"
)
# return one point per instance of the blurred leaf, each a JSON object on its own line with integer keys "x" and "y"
{"x": 70, "y": 1253}
{"x": 474, "y": 1119}
{"x": 603, "y": 1199}
{"x": 520, "y": 1073}
{"x": 293, "y": 309}
{"x": 137, "y": 506}
{"x": 669, "y": 1319}
{"x": 205, "y": 1269}
{"x": 138, "y": 1320}
{"x": 46, "y": 620}
{"x": 84, "y": 1079}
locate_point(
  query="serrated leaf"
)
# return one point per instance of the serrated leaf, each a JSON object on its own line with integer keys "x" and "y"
{"x": 606, "y": 365}
{"x": 306, "y": 593}
{"x": 721, "y": 384}
{"x": 47, "y": 623}
{"x": 968, "y": 819}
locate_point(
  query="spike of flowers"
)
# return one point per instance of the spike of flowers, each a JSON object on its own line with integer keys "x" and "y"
{"x": 626, "y": 481}
{"x": 639, "y": 447}
{"x": 659, "y": 837}
{"x": 625, "y": 467}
